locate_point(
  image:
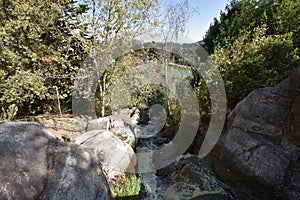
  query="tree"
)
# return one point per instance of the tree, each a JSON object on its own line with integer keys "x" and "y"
{"x": 112, "y": 19}
{"x": 254, "y": 44}
{"x": 287, "y": 18}
{"x": 262, "y": 62}
{"x": 243, "y": 16}
{"x": 36, "y": 51}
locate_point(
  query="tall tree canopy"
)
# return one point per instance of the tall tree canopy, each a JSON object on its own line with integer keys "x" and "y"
{"x": 110, "y": 18}
{"x": 241, "y": 16}
{"x": 254, "y": 44}
{"x": 37, "y": 50}
{"x": 43, "y": 43}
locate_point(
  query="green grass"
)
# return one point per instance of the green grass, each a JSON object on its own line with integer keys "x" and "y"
{"x": 129, "y": 189}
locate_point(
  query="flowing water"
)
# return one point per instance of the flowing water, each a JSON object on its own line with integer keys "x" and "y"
{"x": 152, "y": 184}
{"x": 159, "y": 188}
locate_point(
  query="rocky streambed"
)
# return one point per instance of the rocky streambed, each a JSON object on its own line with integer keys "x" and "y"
{"x": 186, "y": 177}
{"x": 257, "y": 156}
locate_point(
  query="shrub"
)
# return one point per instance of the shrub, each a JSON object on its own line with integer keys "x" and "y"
{"x": 129, "y": 187}
{"x": 21, "y": 89}
{"x": 8, "y": 114}
{"x": 260, "y": 62}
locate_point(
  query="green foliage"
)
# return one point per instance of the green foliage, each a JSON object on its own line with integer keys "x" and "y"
{"x": 239, "y": 16}
{"x": 242, "y": 16}
{"x": 111, "y": 18}
{"x": 22, "y": 88}
{"x": 129, "y": 187}
{"x": 248, "y": 64}
{"x": 8, "y": 114}
{"x": 126, "y": 70}
{"x": 146, "y": 96}
{"x": 204, "y": 104}
{"x": 254, "y": 44}
{"x": 37, "y": 51}
{"x": 287, "y": 18}
{"x": 110, "y": 78}
{"x": 44, "y": 43}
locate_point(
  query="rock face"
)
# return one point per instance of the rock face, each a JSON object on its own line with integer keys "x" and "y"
{"x": 36, "y": 165}
{"x": 113, "y": 153}
{"x": 296, "y": 120}
{"x": 260, "y": 145}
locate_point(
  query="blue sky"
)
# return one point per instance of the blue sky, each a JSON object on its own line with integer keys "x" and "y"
{"x": 207, "y": 11}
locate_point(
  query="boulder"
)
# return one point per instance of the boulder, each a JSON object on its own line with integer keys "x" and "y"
{"x": 261, "y": 145}
{"x": 124, "y": 115}
{"x": 295, "y": 120}
{"x": 117, "y": 123}
{"x": 265, "y": 110}
{"x": 98, "y": 124}
{"x": 125, "y": 134}
{"x": 113, "y": 153}
{"x": 116, "y": 156}
{"x": 36, "y": 165}
{"x": 254, "y": 158}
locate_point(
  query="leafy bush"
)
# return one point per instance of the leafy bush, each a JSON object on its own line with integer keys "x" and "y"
{"x": 240, "y": 16}
{"x": 21, "y": 89}
{"x": 8, "y": 114}
{"x": 248, "y": 64}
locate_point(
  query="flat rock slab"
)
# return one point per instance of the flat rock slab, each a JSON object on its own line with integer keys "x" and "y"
{"x": 36, "y": 165}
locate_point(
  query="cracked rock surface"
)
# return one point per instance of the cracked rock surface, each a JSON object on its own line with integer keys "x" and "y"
{"x": 36, "y": 165}
{"x": 261, "y": 145}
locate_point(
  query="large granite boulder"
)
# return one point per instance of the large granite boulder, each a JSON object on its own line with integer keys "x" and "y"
{"x": 261, "y": 145}
{"x": 116, "y": 156}
{"x": 111, "y": 151}
{"x": 36, "y": 165}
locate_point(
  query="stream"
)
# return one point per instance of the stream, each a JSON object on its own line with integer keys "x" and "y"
{"x": 188, "y": 177}
{"x": 163, "y": 187}
{"x": 152, "y": 184}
